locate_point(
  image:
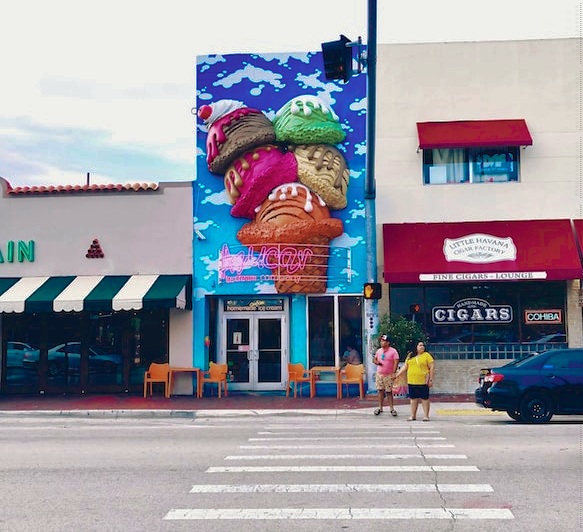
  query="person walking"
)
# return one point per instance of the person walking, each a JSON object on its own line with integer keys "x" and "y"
{"x": 387, "y": 360}
{"x": 420, "y": 368}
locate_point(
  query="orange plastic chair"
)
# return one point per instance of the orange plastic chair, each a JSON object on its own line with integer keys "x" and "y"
{"x": 217, "y": 373}
{"x": 297, "y": 374}
{"x": 354, "y": 374}
{"x": 157, "y": 373}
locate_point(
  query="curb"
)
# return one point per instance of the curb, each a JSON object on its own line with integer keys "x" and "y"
{"x": 453, "y": 409}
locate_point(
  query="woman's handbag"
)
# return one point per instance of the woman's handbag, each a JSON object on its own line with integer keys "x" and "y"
{"x": 400, "y": 388}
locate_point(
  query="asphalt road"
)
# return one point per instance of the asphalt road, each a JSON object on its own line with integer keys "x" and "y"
{"x": 317, "y": 471}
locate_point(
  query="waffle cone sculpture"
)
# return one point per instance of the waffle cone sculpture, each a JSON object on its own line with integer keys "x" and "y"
{"x": 299, "y": 222}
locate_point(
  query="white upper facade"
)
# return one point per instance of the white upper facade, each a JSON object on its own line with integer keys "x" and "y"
{"x": 537, "y": 81}
{"x": 146, "y": 232}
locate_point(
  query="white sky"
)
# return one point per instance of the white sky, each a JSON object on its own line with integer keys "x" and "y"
{"x": 107, "y": 86}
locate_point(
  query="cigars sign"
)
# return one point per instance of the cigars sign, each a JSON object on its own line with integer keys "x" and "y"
{"x": 471, "y": 310}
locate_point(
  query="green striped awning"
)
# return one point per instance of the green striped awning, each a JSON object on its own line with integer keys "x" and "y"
{"x": 94, "y": 293}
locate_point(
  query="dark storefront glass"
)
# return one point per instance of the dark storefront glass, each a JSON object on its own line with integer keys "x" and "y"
{"x": 325, "y": 323}
{"x": 499, "y": 297}
{"x": 81, "y": 352}
{"x": 321, "y": 330}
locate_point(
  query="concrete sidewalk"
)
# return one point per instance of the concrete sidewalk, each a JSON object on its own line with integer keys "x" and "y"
{"x": 128, "y": 405}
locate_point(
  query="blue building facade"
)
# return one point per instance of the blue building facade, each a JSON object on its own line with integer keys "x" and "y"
{"x": 279, "y": 221}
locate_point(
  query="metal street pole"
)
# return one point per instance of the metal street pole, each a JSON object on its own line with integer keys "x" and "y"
{"x": 371, "y": 305}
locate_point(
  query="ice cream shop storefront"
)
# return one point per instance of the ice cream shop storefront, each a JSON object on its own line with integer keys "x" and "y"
{"x": 279, "y": 254}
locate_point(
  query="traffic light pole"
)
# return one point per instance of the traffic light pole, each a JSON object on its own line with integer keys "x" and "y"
{"x": 371, "y": 305}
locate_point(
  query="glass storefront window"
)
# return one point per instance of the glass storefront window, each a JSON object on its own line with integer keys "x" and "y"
{"x": 493, "y": 313}
{"x": 334, "y": 326}
{"x": 81, "y": 352}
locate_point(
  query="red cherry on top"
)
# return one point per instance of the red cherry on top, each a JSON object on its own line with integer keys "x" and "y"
{"x": 204, "y": 112}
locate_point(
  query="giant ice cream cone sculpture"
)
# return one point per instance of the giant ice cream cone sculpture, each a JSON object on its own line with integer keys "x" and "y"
{"x": 261, "y": 162}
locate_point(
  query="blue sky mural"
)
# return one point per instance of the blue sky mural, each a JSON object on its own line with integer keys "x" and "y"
{"x": 266, "y": 83}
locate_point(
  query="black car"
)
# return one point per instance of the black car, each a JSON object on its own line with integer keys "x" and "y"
{"x": 534, "y": 388}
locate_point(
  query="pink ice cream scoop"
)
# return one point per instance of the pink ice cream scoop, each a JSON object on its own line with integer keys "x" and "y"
{"x": 251, "y": 177}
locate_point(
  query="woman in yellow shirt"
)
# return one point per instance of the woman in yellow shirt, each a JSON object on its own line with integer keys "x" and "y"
{"x": 419, "y": 366}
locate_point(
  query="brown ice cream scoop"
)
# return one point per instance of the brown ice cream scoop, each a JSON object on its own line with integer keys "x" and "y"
{"x": 323, "y": 169}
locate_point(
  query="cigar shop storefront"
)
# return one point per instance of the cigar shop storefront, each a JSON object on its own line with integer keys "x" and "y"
{"x": 487, "y": 290}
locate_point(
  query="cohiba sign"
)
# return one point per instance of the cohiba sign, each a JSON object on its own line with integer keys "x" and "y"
{"x": 479, "y": 248}
{"x": 471, "y": 310}
{"x": 554, "y": 316}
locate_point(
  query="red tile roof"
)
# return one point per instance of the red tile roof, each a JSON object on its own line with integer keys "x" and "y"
{"x": 69, "y": 189}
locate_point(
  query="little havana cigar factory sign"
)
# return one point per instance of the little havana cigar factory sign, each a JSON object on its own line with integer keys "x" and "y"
{"x": 479, "y": 248}
{"x": 471, "y": 310}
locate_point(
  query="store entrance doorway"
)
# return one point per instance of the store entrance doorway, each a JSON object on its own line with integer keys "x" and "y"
{"x": 255, "y": 349}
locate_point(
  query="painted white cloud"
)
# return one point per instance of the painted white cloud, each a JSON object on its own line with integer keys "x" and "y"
{"x": 346, "y": 241}
{"x": 218, "y": 198}
{"x": 252, "y": 73}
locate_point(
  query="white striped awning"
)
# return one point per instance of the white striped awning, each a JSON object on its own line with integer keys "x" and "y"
{"x": 94, "y": 293}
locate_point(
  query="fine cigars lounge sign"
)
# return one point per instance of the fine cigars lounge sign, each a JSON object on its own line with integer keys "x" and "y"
{"x": 471, "y": 310}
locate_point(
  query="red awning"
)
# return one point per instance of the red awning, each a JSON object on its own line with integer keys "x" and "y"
{"x": 578, "y": 226}
{"x": 473, "y": 133}
{"x": 481, "y": 251}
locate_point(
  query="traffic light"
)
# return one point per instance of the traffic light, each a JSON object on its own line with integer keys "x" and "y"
{"x": 337, "y": 59}
{"x": 415, "y": 308}
{"x": 373, "y": 291}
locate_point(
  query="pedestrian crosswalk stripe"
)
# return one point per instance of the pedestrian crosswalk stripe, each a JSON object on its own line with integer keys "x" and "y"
{"x": 340, "y": 488}
{"x": 357, "y": 446}
{"x": 363, "y": 438}
{"x": 389, "y": 428}
{"x": 346, "y": 456}
{"x": 338, "y": 468}
{"x": 381, "y": 432}
{"x": 338, "y": 513}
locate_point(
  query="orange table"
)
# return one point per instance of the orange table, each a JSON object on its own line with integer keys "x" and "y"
{"x": 315, "y": 372}
{"x": 175, "y": 369}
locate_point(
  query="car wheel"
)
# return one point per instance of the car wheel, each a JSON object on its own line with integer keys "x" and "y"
{"x": 536, "y": 408}
{"x": 515, "y": 415}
